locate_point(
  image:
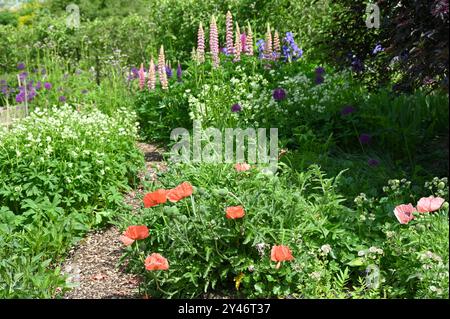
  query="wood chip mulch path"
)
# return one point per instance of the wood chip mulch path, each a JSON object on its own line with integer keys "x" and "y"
{"x": 92, "y": 266}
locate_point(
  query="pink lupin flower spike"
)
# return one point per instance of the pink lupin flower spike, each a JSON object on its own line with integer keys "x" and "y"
{"x": 141, "y": 77}
{"x": 201, "y": 44}
{"x": 151, "y": 76}
{"x": 229, "y": 34}
{"x": 214, "y": 42}
{"x": 249, "y": 41}
{"x": 237, "y": 45}
{"x": 162, "y": 70}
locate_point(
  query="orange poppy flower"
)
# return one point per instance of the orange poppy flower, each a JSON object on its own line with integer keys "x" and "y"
{"x": 134, "y": 233}
{"x": 281, "y": 253}
{"x": 156, "y": 262}
{"x": 181, "y": 191}
{"x": 155, "y": 198}
{"x": 242, "y": 167}
{"x": 235, "y": 212}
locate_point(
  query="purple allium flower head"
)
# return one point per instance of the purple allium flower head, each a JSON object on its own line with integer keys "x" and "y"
{"x": 346, "y": 110}
{"x": 279, "y": 94}
{"x": 47, "y": 85}
{"x": 373, "y": 162}
{"x": 378, "y": 48}
{"x": 62, "y": 98}
{"x": 320, "y": 70}
{"x": 365, "y": 138}
{"x": 23, "y": 76}
{"x": 20, "y": 98}
{"x": 179, "y": 72}
{"x": 38, "y": 85}
{"x": 319, "y": 79}
{"x": 236, "y": 108}
{"x": 21, "y": 66}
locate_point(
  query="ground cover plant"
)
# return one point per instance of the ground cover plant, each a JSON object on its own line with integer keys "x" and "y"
{"x": 355, "y": 206}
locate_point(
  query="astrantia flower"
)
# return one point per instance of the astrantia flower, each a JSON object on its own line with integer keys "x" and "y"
{"x": 235, "y": 212}
{"x": 365, "y": 138}
{"x": 236, "y": 108}
{"x": 346, "y": 110}
{"x": 156, "y": 262}
{"x": 279, "y": 94}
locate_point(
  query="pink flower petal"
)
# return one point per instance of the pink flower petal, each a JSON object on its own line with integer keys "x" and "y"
{"x": 429, "y": 204}
{"x": 127, "y": 241}
{"x": 404, "y": 213}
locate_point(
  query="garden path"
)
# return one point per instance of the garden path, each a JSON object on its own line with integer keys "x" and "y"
{"x": 92, "y": 266}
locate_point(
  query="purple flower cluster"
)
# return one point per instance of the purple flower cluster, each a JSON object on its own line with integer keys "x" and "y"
{"x": 20, "y": 66}
{"x": 169, "y": 71}
{"x": 378, "y": 48}
{"x": 26, "y": 93}
{"x": 373, "y": 162}
{"x": 347, "y": 110}
{"x": 4, "y": 88}
{"x": 365, "y": 139}
{"x": 320, "y": 72}
{"x": 279, "y": 94}
{"x": 236, "y": 108}
{"x": 261, "y": 45}
{"x": 291, "y": 51}
{"x": 179, "y": 72}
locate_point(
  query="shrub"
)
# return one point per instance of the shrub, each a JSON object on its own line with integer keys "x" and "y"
{"x": 84, "y": 158}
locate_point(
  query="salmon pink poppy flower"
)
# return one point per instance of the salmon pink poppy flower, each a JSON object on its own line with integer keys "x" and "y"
{"x": 155, "y": 198}
{"x": 134, "y": 233}
{"x": 242, "y": 167}
{"x": 429, "y": 204}
{"x": 156, "y": 262}
{"x": 281, "y": 253}
{"x": 404, "y": 213}
{"x": 235, "y": 212}
{"x": 181, "y": 191}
